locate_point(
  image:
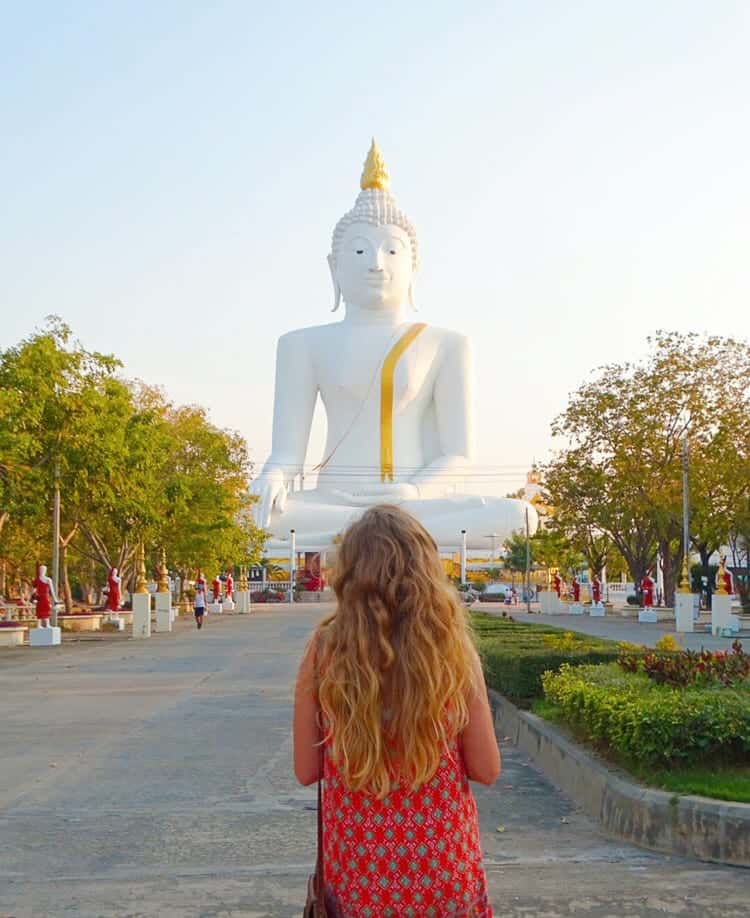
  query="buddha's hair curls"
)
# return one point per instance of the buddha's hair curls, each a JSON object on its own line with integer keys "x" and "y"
{"x": 395, "y": 660}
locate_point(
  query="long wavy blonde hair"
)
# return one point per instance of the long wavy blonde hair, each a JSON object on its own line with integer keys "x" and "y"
{"x": 395, "y": 660}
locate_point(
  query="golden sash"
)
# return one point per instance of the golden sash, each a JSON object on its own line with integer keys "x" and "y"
{"x": 386, "y": 398}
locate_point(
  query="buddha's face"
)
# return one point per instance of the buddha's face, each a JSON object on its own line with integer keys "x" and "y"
{"x": 374, "y": 266}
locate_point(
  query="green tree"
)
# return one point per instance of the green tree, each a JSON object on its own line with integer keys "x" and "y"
{"x": 621, "y": 470}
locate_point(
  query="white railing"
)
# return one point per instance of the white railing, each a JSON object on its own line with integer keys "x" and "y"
{"x": 12, "y": 612}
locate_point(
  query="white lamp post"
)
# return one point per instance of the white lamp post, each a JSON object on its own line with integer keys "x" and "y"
{"x": 463, "y": 557}
{"x": 292, "y": 564}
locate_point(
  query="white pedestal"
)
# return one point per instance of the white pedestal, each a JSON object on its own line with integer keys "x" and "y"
{"x": 116, "y": 620}
{"x": 214, "y": 607}
{"x": 648, "y": 616}
{"x": 549, "y": 603}
{"x": 45, "y": 637}
{"x": 721, "y": 612}
{"x": 575, "y": 608}
{"x": 141, "y": 615}
{"x": 13, "y": 637}
{"x": 227, "y": 606}
{"x": 243, "y": 601}
{"x": 683, "y": 612}
{"x": 597, "y": 610}
{"x": 163, "y": 611}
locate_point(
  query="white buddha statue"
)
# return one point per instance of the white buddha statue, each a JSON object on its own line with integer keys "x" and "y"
{"x": 397, "y": 395}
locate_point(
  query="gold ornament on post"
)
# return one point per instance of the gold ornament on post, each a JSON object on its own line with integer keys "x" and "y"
{"x": 243, "y": 578}
{"x": 685, "y": 582}
{"x": 163, "y": 585}
{"x": 721, "y": 589}
{"x": 140, "y": 581}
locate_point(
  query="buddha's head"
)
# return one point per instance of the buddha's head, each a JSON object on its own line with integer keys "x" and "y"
{"x": 374, "y": 255}
{"x": 42, "y": 570}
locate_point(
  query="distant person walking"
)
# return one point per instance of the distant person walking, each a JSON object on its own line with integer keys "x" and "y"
{"x": 200, "y": 599}
{"x": 391, "y": 709}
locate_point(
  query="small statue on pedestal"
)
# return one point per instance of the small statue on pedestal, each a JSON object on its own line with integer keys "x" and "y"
{"x": 576, "y": 587}
{"x": 229, "y": 585}
{"x": 596, "y": 590}
{"x": 44, "y": 593}
{"x": 216, "y": 589}
{"x": 557, "y": 583}
{"x": 647, "y": 590}
{"x": 113, "y": 591}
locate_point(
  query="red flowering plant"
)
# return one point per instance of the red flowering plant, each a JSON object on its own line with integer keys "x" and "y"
{"x": 690, "y": 667}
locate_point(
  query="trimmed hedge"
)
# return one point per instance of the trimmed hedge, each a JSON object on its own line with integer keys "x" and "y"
{"x": 649, "y": 723}
{"x": 515, "y": 655}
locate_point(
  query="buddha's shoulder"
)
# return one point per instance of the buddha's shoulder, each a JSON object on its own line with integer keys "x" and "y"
{"x": 321, "y": 334}
{"x": 310, "y": 334}
{"x": 448, "y": 337}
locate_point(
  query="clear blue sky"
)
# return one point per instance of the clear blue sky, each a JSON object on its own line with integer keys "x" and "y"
{"x": 170, "y": 174}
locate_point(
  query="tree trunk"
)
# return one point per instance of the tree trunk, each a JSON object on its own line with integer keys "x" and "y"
{"x": 67, "y": 593}
{"x": 670, "y": 562}
{"x": 705, "y": 552}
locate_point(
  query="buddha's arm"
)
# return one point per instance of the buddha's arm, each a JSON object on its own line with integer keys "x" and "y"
{"x": 295, "y": 393}
{"x": 454, "y": 409}
{"x": 296, "y": 390}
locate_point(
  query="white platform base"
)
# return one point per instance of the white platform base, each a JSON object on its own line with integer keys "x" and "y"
{"x": 164, "y": 617}
{"x": 648, "y": 616}
{"x": 243, "y": 601}
{"x": 116, "y": 620}
{"x": 214, "y": 608}
{"x": 45, "y": 637}
{"x": 721, "y": 612}
{"x": 227, "y": 606}
{"x": 141, "y": 615}
{"x": 549, "y": 603}
{"x": 597, "y": 610}
{"x": 575, "y": 608}
{"x": 683, "y": 612}
{"x": 13, "y": 637}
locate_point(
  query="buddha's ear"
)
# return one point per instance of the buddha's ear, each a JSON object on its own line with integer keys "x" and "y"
{"x": 336, "y": 288}
{"x": 412, "y": 298}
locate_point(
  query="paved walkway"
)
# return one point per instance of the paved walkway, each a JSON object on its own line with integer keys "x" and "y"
{"x": 617, "y": 628}
{"x": 154, "y": 779}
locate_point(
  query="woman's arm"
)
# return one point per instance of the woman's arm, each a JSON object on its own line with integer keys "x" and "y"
{"x": 479, "y": 747}
{"x": 306, "y": 731}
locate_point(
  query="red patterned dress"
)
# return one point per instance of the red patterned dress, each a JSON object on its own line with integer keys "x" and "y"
{"x": 414, "y": 853}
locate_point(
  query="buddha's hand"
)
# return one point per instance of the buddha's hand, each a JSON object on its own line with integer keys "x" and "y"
{"x": 270, "y": 488}
{"x": 382, "y": 494}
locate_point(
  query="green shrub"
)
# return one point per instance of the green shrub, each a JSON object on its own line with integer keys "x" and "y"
{"x": 515, "y": 655}
{"x": 643, "y": 721}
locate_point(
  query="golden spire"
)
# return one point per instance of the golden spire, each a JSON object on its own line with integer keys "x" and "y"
{"x": 685, "y": 582}
{"x": 375, "y": 174}
{"x": 163, "y": 586}
{"x": 140, "y": 581}
{"x": 721, "y": 589}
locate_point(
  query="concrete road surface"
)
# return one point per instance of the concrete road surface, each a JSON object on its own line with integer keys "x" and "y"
{"x": 154, "y": 778}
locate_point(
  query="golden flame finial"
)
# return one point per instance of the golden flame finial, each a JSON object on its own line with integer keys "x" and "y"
{"x": 375, "y": 174}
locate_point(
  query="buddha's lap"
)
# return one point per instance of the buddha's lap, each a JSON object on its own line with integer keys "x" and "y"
{"x": 317, "y": 511}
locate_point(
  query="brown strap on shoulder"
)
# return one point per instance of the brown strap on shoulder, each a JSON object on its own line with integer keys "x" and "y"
{"x": 319, "y": 868}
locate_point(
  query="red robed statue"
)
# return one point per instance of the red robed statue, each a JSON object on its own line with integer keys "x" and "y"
{"x": 43, "y": 592}
{"x": 557, "y": 584}
{"x": 229, "y": 584}
{"x": 596, "y": 589}
{"x": 113, "y": 590}
{"x": 216, "y": 589}
{"x": 576, "y": 590}
{"x": 647, "y": 589}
